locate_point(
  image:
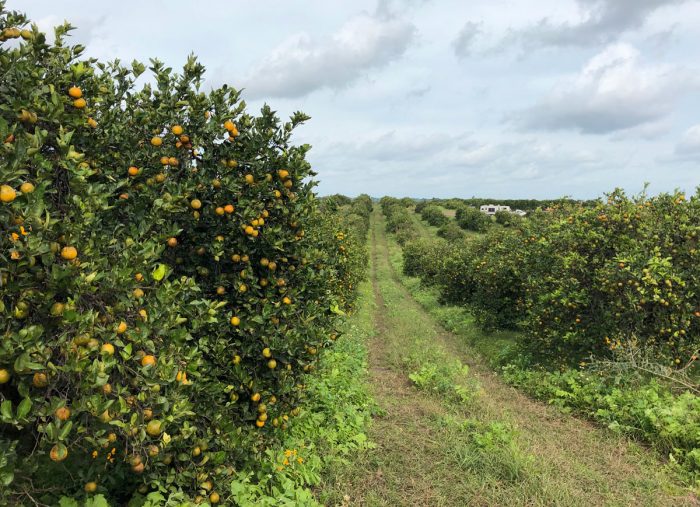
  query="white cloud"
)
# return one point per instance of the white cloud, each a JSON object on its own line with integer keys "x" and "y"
{"x": 600, "y": 22}
{"x": 689, "y": 145}
{"x": 464, "y": 42}
{"x": 302, "y": 64}
{"x": 614, "y": 91}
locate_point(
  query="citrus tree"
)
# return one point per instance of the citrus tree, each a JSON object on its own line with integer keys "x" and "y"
{"x": 160, "y": 290}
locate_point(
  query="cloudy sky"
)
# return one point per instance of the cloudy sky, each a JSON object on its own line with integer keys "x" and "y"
{"x": 440, "y": 98}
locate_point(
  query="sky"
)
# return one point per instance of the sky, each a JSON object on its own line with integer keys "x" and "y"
{"x": 442, "y": 98}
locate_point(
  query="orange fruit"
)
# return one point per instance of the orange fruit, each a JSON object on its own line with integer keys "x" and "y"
{"x": 184, "y": 139}
{"x": 4, "y": 376}
{"x": 7, "y": 193}
{"x": 153, "y": 428}
{"x": 286, "y": 300}
{"x": 272, "y": 364}
{"x": 229, "y": 125}
{"x": 58, "y": 452}
{"x": 79, "y": 103}
{"x": 75, "y": 92}
{"x": 133, "y": 171}
{"x": 164, "y": 160}
{"x": 156, "y": 141}
{"x": 90, "y": 487}
{"x": 107, "y": 348}
{"x": 148, "y": 360}
{"x": 137, "y": 293}
{"x": 26, "y": 188}
{"x": 229, "y": 208}
{"x": 173, "y": 161}
{"x": 249, "y": 179}
{"x": 235, "y": 321}
{"x": 219, "y": 210}
{"x": 255, "y": 397}
{"x": 138, "y": 277}
{"x": 121, "y": 328}
{"x": 259, "y": 423}
{"x": 283, "y": 174}
{"x": 69, "y": 253}
{"x": 249, "y": 230}
{"x": 196, "y": 204}
{"x": 40, "y": 380}
{"x": 267, "y": 352}
{"x": 177, "y": 130}
{"x": 220, "y": 291}
{"x": 214, "y": 497}
{"x": 232, "y": 164}
{"x": 172, "y": 242}
{"x": 92, "y": 122}
{"x": 62, "y": 413}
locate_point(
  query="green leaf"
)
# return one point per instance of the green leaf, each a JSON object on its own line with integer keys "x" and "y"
{"x": 160, "y": 271}
{"x": 6, "y": 410}
{"x": 24, "y": 407}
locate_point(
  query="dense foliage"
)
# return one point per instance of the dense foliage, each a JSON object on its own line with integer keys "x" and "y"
{"x": 434, "y": 216}
{"x": 167, "y": 276}
{"x": 471, "y": 219}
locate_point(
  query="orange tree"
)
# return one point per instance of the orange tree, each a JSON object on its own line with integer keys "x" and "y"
{"x": 159, "y": 292}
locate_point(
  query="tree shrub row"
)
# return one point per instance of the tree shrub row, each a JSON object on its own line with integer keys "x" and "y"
{"x": 167, "y": 276}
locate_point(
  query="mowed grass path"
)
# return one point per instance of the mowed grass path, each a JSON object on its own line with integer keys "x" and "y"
{"x": 449, "y": 433}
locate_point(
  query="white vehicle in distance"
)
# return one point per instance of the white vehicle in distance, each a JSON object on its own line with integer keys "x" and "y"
{"x": 491, "y": 209}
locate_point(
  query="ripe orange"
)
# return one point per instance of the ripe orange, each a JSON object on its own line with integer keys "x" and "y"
{"x": 177, "y": 130}
{"x": 249, "y": 179}
{"x": 79, "y": 103}
{"x": 26, "y": 187}
{"x": 156, "y": 141}
{"x": 108, "y": 349}
{"x": 7, "y": 193}
{"x": 121, "y": 328}
{"x": 164, "y": 160}
{"x": 184, "y": 139}
{"x": 255, "y": 397}
{"x": 249, "y": 230}
{"x": 219, "y": 211}
{"x": 286, "y": 300}
{"x": 220, "y": 291}
{"x": 173, "y": 161}
{"x": 90, "y": 487}
{"x": 138, "y": 277}
{"x": 69, "y": 253}
{"x": 229, "y": 125}
{"x": 40, "y": 380}
{"x": 62, "y": 413}
{"x": 283, "y": 174}
{"x": 267, "y": 352}
{"x": 196, "y": 204}
{"x": 133, "y": 171}
{"x": 259, "y": 423}
{"x": 4, "y": 376}
{"x": 235, "y": 321}
{"x": 216, "y": 183}
{"x": 75, "y": 92}
{"x": 137, "y": 293}
{"x": 172, "y": 242}
{"x": 148, "y": 360}
{"x": 272, "y": 364}
{"x": 214, "y": 497}
{"x": 229, "y": 208}
{"x": 92, "y": 122}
